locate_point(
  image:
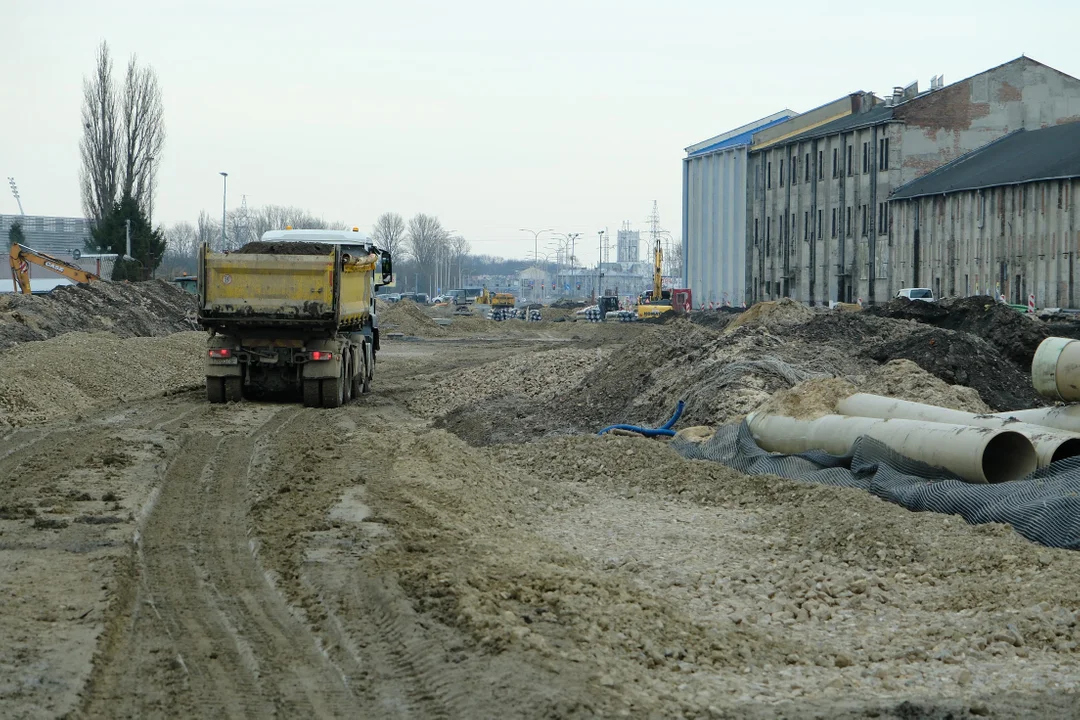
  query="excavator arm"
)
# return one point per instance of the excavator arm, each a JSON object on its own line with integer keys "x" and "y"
{"x": 21, "y": 257}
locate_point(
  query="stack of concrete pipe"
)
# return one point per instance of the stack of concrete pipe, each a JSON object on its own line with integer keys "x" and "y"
{"x": 992, "y": 448}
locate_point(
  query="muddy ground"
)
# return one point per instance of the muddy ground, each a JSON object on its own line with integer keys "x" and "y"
{"x": 459, "y": 543}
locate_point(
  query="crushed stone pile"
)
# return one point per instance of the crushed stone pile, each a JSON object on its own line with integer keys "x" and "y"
{"x": 140, "y": 309}
{"x": 905, "y": 380}
{"x": 77, "y": 371}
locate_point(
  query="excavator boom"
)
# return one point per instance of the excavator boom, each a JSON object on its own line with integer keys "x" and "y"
{"x": 21, "y": 257}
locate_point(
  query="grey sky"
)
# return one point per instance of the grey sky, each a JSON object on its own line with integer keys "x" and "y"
{"x": 492, "y": 115}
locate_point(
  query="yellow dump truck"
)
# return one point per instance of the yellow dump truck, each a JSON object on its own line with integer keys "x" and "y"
{"x": 294, "y": 312}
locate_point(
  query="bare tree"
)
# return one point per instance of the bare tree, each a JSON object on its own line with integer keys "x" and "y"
{"x": 427, "y": 243}
{"x": 182, "y": 240}
{"x": 143, "y": 124}
{"x": 389, "y": 233}
{"x": 459, "y": 250}
{"x": 100, "y": 142}
{"x": 123, "y": 136}
{"x": 207, "y": 231}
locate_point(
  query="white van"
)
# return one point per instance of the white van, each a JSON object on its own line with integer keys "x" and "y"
{"x": 925, "y": 294}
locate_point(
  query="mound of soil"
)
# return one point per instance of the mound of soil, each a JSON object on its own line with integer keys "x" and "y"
{"x": 772, "y": 315}
{"x": 45, "y": 380}
{"x": 406, "y": 317}
{"x": 141, "y": 309}
{"x": 285, "y": 248}
{"x": 1014, "y": 334}
{"x": 960, "y": 358}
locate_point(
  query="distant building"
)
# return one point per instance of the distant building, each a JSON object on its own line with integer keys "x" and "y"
{"x": 628, "y": 246}
{"x": 58, "y": 236}
{"x": 820, "y": 224}
{"x": 1002, "y": 220}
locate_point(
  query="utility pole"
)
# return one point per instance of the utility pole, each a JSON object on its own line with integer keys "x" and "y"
{"x": 224, "y": 188}
{"x": 599, "y": 267}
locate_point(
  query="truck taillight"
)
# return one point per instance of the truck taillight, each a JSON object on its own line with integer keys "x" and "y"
{"x": 220, "y": 353}
{"x": 321, "y": 355}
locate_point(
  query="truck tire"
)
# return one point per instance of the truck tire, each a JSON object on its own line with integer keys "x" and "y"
{"x": 312, "y": 393}
{"x": 333, "y": 390}
{"x": 215, "y": 389}
{"x": 369, "y": 370}
{"x": 347, "y": 381}
{"x": 234, "y": 389}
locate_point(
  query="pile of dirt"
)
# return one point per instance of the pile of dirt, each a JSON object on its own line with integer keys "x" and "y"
{"x": 773, "y": 315}
{"x": 406, "y": 317}
{"x": 78, "y": 371}
{"x": 139, "y": 309}
{"x": 529, "y": 377}
{"x": 960, "y": 358}
{"x": 809, "y": 400}
{"x": 1014, "y": 334}
{"x": 905, "y": 380}
{"x": 285, "y": 248}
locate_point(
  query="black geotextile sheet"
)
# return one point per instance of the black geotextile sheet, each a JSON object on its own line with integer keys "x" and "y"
{"x": 1044, "y": 507}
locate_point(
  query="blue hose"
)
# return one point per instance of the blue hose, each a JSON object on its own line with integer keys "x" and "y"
{"x": 664, "y": 430}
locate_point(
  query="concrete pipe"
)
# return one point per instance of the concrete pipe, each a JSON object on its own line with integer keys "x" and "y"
{"x": 1050, "y": 445}
{"x": 976, "y": 454}
{"x": 1066, "y": 417}
{"x": 1055, "y": 369}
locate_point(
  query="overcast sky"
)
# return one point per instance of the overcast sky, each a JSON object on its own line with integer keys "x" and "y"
{"x": 495, "y": 116}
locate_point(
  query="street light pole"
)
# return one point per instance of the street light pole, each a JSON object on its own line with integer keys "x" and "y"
{"x": 600, "y": 265}
{"x": 224, "y": 189}
{"x": 15, "y": 192}
{"x": 536, "y": 235}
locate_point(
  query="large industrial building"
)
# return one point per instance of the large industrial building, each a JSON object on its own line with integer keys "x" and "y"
{"x": 58, "y": 236}
{"x": 1002, "y": 220}
{"x": 819, "y": 221}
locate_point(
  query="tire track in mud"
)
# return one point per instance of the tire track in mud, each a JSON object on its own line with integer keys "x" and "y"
{"x": 206, "y": 633}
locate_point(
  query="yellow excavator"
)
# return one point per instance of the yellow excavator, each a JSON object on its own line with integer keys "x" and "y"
{"x": 21, "y": 257}
{"x": 652, "y": 303}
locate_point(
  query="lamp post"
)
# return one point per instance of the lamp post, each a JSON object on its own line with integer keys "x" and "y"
{"x": 536, "y": 234}
{"x": 224, "y": 189}
{"x": 600, "y": 265}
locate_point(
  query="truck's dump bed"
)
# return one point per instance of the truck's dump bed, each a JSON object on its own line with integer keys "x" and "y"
{"x": 309, "y": 285}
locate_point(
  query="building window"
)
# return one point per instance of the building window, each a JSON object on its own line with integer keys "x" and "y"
{"x": 865, "y": 157}
{"x": 781, "y": 173}
{"x": 755, "y": 232}
{"x": 820, "y": 164}
{"x": 793, "y": 235}
{"x": 883, "y": 154}
{"x": 836, "y": 162}
{"x": 847, "y": 225}
{"x": 806, "y": 168}
{"x": 806, "y": 225}
{"x": 818, "y": 234}
{"x": 768, "y": 231}
{"x": 834, "y": 222}
{"x": 794, "y": 169}
{"x": 850, "y": 159}
{"x": 864, "y": 221}
{"x": 768, "y": 176}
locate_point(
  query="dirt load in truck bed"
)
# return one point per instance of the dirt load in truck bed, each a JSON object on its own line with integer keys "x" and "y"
{"x": 285, "y": 248}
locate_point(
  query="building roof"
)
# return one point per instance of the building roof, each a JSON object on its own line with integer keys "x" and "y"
{"x": 742, "y": 135}
{"x": 1023, "y": 156}
{"x": 875, "y": 115}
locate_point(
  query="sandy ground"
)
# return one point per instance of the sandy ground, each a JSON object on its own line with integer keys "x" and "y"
{"x": 168, "y": 558}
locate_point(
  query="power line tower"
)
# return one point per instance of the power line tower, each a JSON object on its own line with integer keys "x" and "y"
{"x": 242, "y": 223}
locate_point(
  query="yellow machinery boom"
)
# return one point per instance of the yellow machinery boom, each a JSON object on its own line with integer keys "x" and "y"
{"x": 21, "y": 256}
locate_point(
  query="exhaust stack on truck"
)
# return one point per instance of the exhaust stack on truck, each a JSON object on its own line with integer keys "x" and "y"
{"x": 293, "y": 312}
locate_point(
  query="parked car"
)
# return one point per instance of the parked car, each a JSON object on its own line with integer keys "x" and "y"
{"x": 924, "y": 294}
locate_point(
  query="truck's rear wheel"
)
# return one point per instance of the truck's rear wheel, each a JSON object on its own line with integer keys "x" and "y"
{"x": 312, "y": 393}
{"x": 333, "y": 390}
{"x": 369, "y": 370}
{"x": 347, "y": 381}
{"x": 215, "y": 389}
{"x": 234, "y": 389}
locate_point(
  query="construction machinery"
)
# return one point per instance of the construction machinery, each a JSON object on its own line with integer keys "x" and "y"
{"x": 652, "y": 303}
{"x": 21, "y": 257}
{"x": 294, "y": 312}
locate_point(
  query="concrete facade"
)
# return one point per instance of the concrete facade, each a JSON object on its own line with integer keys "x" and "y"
{"x": 714, "y": 213}
{"x": 820, "y": 227}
